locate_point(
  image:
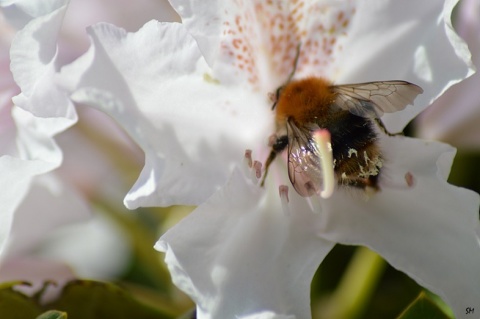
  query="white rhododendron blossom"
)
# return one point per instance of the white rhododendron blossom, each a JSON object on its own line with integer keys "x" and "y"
{"x": 195, "y": 96}
{"x": 32, "y": 194}
{"x": 37, "y": 201}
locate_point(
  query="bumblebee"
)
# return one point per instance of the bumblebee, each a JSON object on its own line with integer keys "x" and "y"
{"x": 351, "y": 113}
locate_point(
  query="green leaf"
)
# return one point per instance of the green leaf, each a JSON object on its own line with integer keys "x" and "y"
{"x": 53, "y": 314}
{"x": 15, "y": 305}
{"x": 97, "y": 300}
{"x": 423, "y": 308}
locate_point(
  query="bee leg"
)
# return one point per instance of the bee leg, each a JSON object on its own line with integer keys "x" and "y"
{"x": 278, "y": 144}
{"x": 372, "y": 183}
{"x": 269, "y": 161}
{"x": 384, "y": 129}
{"x": 369, "y": 185}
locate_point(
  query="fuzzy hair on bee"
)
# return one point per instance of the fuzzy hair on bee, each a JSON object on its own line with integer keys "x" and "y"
{"x": 350, "y": 112}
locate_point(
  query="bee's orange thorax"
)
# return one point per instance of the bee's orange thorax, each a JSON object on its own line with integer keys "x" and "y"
{"x": 304, "y": 100}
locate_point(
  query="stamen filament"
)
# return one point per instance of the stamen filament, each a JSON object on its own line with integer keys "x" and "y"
{"x": 322, "y": 140}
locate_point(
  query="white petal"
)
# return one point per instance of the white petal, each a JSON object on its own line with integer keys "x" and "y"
{"x": 15, "y": 178}
{"x": 257, "y": 41}
{"x": 266, "y": 315}
{"x": 239, "y": 254}
{"x": 204, "y": 22}
{"x": 156, "y": 85}
{"x": 96, "y": 249}
{"x": 123, "y": 13}
{"x": 21, "y": 12}
{"x": 45, "y": 205}
{"x": 32, "y": 153}
{"x": 429, "y": 231}
{"x": 454, "y": 117}
{"x": 394, "y": 40}
{"x": 35, "y": 137}
{"x": 33, "y": 64}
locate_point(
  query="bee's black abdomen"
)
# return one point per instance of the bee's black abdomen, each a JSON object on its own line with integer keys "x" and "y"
{"x": 357, "y": 158}
{"x": 350, "y": 133}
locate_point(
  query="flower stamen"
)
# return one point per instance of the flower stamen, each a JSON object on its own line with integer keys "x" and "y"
{"x": 257, "y": 167}
{"x": 322, "y": 140}
{"x": 248, "y": 158}
{"x": 252, "y": 169}
{"x": 409, "y": 179}
{"x": 283, "y": 192}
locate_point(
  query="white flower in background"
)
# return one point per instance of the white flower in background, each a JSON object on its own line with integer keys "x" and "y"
{"x": 28, "y": 144}
{"x": 38, "y": 198}
{"x": 34, "y": 200}
{"x": 194, "y": 96}
{"x": 130, "y": 15}
{"x": 454, "y": 117}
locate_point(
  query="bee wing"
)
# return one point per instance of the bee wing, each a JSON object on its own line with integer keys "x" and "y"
{"x": 304, "y": 167}
{"x": 372, "y": 99}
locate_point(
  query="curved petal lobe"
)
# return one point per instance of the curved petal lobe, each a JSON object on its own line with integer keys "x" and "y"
{"x": 238, "y": 254}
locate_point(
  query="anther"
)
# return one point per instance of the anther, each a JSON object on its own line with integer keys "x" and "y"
{"x": 248, "y": 158}
{"x": 283, "y": 192}
{"x": 257, "y": 166}
{"x": 323, "y": 143}
{"x": 409, "y": 179}
{"x": 272, "y": 97}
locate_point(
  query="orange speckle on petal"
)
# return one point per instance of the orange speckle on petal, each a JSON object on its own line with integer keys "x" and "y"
{"x": 299, "y": 18}
{"x": 237, "y": 43}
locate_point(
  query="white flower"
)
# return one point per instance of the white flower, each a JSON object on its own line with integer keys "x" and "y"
{"x": 37, "y": 199}
{"x": 34, "y": 201}
{"x": 29, "y": 152}
{"x": 454, "y": 117}
{"x": 195, "y": 96}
